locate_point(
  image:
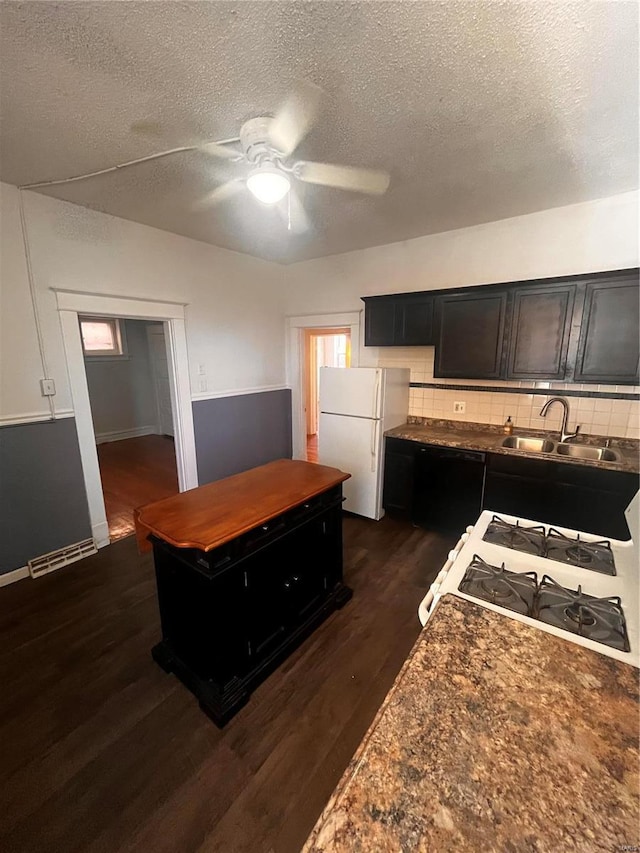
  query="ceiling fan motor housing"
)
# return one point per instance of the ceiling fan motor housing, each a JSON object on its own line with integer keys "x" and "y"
{"x": 254, "y": 139}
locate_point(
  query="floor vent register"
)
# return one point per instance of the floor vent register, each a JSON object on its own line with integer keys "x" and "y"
{"x": 62, "y": 557}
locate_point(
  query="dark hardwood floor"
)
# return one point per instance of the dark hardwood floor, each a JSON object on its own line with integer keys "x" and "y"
{"x": 102, "y": 751}
{"x": 134, "y": 472}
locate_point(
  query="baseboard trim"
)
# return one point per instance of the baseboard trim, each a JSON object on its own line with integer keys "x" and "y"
{"x": 16, "y": 575}
{"x": 122, "y": 434}
{"x": 100, "y": 533}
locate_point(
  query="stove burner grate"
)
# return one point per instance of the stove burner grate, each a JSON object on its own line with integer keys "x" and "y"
{"x": 596, "y": 556}
{"x": 513, "y": 590}
{"x": 598, "y": 619}
{"x": 527, "y": 539}
{"x": 553, "y": 545}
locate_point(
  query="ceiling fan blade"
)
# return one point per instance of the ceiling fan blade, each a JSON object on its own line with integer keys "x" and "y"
{"x": 222, "y": 151}
{"x": 294, "y": 214}
{"x": 295, "y": 117}
{"x": 220, "y": 194}
{"x": 373, "y": 181}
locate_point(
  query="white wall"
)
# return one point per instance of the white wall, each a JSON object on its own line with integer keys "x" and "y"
{"x": 590, "y": 237}
{"x": 235, "y": 325}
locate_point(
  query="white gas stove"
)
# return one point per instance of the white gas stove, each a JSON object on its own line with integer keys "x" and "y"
{"x": 575, "y": 585}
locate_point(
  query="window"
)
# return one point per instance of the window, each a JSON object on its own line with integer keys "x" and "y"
{"x": 101, "y": 336}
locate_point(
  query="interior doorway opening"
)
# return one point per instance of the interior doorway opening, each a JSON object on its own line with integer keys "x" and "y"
{"x": 324, "y": 347}
{"x": 127, "y": 372}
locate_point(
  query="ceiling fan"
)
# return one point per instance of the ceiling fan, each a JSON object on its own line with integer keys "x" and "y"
{"x": 269, "y": 170}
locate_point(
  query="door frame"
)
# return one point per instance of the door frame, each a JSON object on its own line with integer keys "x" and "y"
{"x": 150, "y": 331}
{"x": 71, "y": 304}
{"x": 296, "y": 328}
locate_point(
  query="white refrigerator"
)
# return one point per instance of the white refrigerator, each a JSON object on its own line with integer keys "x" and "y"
{"x": 357, "y": 406}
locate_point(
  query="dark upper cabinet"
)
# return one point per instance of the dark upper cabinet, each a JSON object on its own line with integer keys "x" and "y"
{"x": 539, "y": 329}
{"x": 520, "y": 330}
{"x": 414, "y": 321}
{"x": 469, "y": 329}
{"x": 608, "y": 346}
{"x": 403, "y": 320}
{"x": 379, "y": 321}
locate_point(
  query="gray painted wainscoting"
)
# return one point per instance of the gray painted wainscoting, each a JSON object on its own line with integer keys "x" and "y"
{"x": 43, "y": 503}
{"x": 234, "y": 434}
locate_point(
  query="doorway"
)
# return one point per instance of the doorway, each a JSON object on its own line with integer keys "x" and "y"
{"x": 128, "y": 381}
{"x": 328, "y": 347}
{"x": 297, "y": 327}
{"x": 171, "y": 315}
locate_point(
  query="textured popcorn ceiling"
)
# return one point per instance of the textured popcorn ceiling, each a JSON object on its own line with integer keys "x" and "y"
{"x": 479, "y": 110}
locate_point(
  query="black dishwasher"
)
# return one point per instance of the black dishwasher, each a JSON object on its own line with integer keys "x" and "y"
{"x": 447, "y": 488}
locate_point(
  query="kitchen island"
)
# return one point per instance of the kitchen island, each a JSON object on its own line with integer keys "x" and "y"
{"x": 246, "y": 568}
{"x": 495, "y": 736}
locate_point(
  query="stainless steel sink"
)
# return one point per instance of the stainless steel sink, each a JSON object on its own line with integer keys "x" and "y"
{"x": 529, "y": 444}
{"x": 584, "y": 451}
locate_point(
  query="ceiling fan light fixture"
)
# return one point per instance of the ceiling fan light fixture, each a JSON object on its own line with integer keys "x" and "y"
{"x": 268, "y": 184}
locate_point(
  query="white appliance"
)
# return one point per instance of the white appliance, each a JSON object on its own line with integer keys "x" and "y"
{"x": 357, "y": 406}
{"x": 625, "y": 584}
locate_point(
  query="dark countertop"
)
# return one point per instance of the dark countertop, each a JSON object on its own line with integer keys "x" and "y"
{"x": 495, "y": 736}
{"x": 486, "y": 438}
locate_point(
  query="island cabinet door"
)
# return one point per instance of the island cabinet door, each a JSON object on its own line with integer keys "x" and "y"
{"x": 201, "y": 615}
{"x": 286, "y": 584}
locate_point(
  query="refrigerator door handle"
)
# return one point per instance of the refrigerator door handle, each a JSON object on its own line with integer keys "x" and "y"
{"x": 374, "y": 436}
{"x": 376, "y": 396}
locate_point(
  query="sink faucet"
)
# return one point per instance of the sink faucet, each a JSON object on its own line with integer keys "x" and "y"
{"x": 564, "y": 435}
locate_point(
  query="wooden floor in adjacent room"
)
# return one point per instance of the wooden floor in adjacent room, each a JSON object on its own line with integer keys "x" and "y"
{"x": 102, "y": 751}
{"x": 134, "y": 472}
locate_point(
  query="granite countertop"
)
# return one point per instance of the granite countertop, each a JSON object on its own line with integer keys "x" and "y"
{"x": 495, "y": 736}
{"x": 486, "y": 437}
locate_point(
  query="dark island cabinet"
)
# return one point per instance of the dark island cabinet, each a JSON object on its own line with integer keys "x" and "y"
{"x": 539, "y": 329}
{"x": 233, "y": 609}
{"x": 609, "y": 343}
{"x": 469, "y": 334}
{"x": 576, "y": 496}
{"x": 403, "y": 320}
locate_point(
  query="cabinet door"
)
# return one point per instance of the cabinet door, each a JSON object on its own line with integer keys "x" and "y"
{"x": 539, "y": 332}
{"x": 469, "y": 335}
{"x": 379, "y": 322}
{"x": 397, "y": 494}
{"x": 202, "y": 616}
{"x": 414, "y": 321}
{"x": 608, "y": 349}
{"x": 285, "y": 582}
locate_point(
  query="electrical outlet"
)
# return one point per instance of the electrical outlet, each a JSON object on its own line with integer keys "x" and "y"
{"x": 201, "y": 370}
{"x": 203, "y": 383}
{"x": 459, "y": 406}
{"x": 47, "y": 387}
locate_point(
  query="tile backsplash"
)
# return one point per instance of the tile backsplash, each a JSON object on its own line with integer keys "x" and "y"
{"x": 602, "y": 415}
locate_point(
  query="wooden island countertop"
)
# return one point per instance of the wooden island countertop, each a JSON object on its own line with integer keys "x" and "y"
{"x": 210, "y": 515}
